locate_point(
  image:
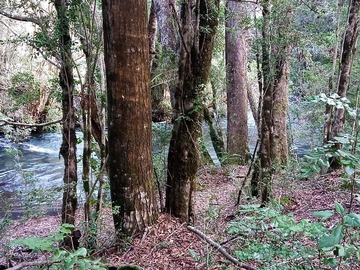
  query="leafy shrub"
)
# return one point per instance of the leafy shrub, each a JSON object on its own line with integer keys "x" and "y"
{"x": 60, "y": 259}
{"x": 277, "y": 241}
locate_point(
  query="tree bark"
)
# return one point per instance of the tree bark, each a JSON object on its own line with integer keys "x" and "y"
{"x": 129, "y": 115}
{"x": 273, "y": 149}
{"x": 68, "y": 145}
{"x": 152, "y": 34}
{"x": 346, "y": 63}
{"x": 194, "y": 69}
{"x": 237, "y": 102}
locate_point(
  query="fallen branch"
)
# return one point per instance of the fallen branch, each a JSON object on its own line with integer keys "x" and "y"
{"x": 30, "y": 264}
{"x": 220, "y": 249}
{"x": 18, "y": 124}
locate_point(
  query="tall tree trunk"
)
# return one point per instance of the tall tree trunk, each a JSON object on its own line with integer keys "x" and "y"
{"x": 194, "y": 69}
{"x": 237, "y": 102}
{"x": 327, "y": 129}
{"x": 68, "y": 145}
{"x": 279, "y": 141}
{"x": 129, "y": 115}
{"x": 152, "y": 34}
{"x": 165, "y": 83}
{"x": 275, "y": 72}
{"x": 348, "y": 53}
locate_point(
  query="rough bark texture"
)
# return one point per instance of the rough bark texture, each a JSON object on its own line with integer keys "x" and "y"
{"x": 129, "y": 115}
{"x": 68, "y": 145}
{"x": 280, "y": 106}
{"x": 327, "y": 129}
{"x": 348, "y": 52}
{"x": 275, "y": 72}
{"x": 165, "y": 14}
{"x": 152, "y": 34}
{"x": 237, "y": 102}
{"x": 194, "y": 69}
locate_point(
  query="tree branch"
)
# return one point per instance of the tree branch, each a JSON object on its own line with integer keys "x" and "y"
{"x": 30, "y": 264}
{"x": 20, "y": 18}
{"x": 18, "y": 124}
{"x": 220, "y": 249}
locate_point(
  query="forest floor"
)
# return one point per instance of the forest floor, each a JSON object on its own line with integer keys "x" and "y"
{"x": 169, "y": 244}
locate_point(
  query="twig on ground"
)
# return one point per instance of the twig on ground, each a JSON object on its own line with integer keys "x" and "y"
{"x": 220, "y": 249}
{"x": 248, "y": 173}
{"x": 30, "y": 264}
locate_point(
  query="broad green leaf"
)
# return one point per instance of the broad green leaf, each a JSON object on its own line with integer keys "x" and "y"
{"x": 349, "y": 170}
{"x": 330, "y": 241}
{"x": 339, "y": 208}
{"x": 352, "y": 220}
{"x": 331, "y": 102}
{"x": 81, "y": 252}
{"x": 332, "y": 262}
{"x": 323, "y": 214}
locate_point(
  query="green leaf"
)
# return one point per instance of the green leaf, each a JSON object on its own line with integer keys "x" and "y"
{"x": 332, "y": 262}
{"x": 349, "y": 170}
{"x": 352, "y": 220}
{"x": 339, "y": 208}
{"x": 323, "y": 214}
{"x": 81, "y": 252}
{"x": 330, "y": 241}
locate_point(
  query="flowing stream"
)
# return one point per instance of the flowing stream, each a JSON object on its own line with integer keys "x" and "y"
{"x": 39, "y": 168}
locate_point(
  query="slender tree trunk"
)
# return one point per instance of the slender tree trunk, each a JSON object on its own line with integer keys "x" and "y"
{"x": 164, "y": 10}
{"x": 152, "y": 34}
{"x": 253, "y": 97}
{"x": 327, "y": 129}
{"x": 348, "y": 53}
{"x": 129, "y": 115}
{"x": 275, "y": 72}
{"x": 194, "y": 69}
{"x": 237, "y": 102}
{"x": 68, "y": 146}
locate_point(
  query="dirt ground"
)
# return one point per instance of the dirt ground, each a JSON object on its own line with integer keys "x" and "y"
{"x": 169, "y": 244}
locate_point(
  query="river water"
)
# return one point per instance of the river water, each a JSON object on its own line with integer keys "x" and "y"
{"x": 25, "y": 181}
{"x": 28, "y": 166}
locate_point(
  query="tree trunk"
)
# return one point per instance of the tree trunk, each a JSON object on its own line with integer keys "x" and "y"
{"x": 280, "y": 106}
{"x": 68, "y": 145}
{"x": 166, "y": 84}
{"x": 275, "y": 72}
{"x": 329, "y": 110}
{"x": 348, "y": 53}
{"x": 129, "y": 115}
{"x": 194, "y": 69}
{"x": 237, "y": 102}
{"x": 152, "y": 34}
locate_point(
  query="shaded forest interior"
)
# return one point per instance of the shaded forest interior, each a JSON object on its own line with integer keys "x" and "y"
{"x": 195, "y": 134}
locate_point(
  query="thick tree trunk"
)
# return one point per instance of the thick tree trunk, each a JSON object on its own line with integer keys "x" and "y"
{"x": 348, "y": 53}
{"x": 280, "y": 106}
{"x": 129, "y": 115}
{"x": 237, "y": 102}
{"x": 68, "y": 146}
{"x": 194, "y": 69}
